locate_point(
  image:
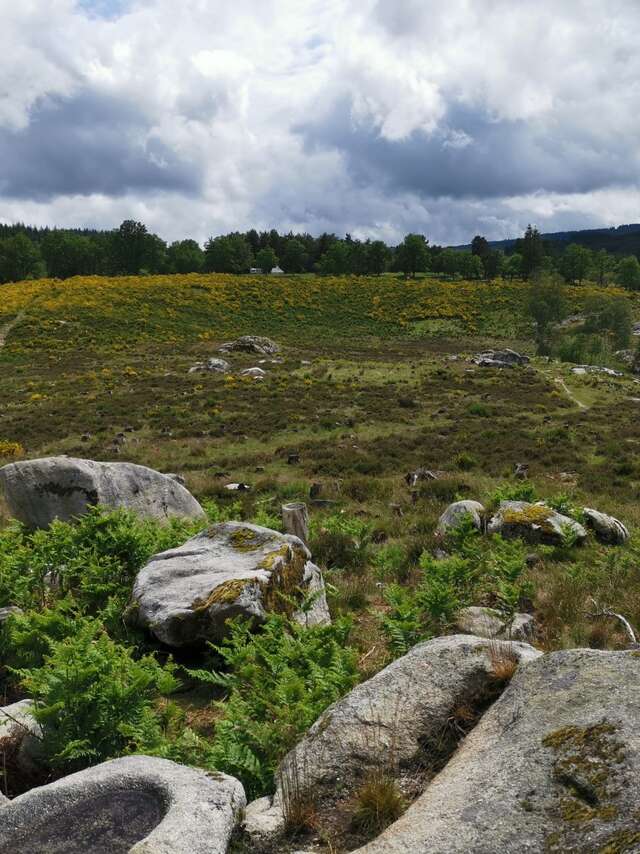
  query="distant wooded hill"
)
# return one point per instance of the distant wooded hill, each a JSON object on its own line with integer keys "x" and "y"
{"x": 619, "y": 240}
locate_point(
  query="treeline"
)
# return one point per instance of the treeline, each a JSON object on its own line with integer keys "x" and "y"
{"x": 132, "y": 250}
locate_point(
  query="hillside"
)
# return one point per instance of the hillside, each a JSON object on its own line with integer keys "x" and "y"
{"x": 619, "y": 240}
{"x": 373, "y": 380}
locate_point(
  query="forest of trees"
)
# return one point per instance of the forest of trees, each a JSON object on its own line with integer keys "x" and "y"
{"x": 132, "y": 250}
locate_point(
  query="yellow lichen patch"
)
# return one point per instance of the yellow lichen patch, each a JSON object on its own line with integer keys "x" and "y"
{"x": 224, "y": 593}
{"x": 269, "y": 561}
{"x": 537, "y": 514}
{"x": 247, "y": 540}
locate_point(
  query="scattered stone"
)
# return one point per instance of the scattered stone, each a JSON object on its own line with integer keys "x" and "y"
{"x": 636, "y": 329}
{"x": 412, "y": 478}
{"x": 135, "y": 804}
{"x": 219, "y": 366}
{"x": 9, "y": 611}
{"x": 186, "y": 595}
{"x": 238, "y": 487}
{"x": 491, "y": 623}
{"x": 399, "y": 718}
{"x": 571, "y": 320}
{"x": 553, "y": 765}
{"x": 293, "y": 459}
{"x": 255, "y": 373}
{"x": 521, "y": 471}
{"x": 499, "y": 359}
{"x": 20, "y": 730}
{"x": 251, "y": 344}
{"x": 596, "y": 369}
{"x": 39, "y": 491}
{"x": 315, "y": 490}
{"x": 626, "y": 356}
{"x": 534, "y": 523}
{"x": 86, "y": 437}
{"x": 607, "y": 529}
{"x": 455, "y": 513}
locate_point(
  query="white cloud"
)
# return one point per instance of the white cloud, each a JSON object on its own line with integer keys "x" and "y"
{"x": 228, "y": 89}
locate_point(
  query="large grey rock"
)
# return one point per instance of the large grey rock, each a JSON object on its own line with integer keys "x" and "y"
{"x": 251, "y": 344}
{"x": 458, "y": 511}
{"x": 535, "y": 523}
{"x": 39, "y": 491}
{"x": 553, "y": 766}
{"x": 21, "y": 735}
{"x": 490, "y": 623}
{"x": 607, "y": 529}
{"x": 400, "y": 718}
{"x": 186, "y": 595}
{"x": 139, "y": 805}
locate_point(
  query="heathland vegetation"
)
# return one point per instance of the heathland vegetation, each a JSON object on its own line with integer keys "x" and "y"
{"x": 375, "y": 379}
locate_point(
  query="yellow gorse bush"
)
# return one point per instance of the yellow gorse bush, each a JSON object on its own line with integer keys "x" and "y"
{"x": 170, "y": 309}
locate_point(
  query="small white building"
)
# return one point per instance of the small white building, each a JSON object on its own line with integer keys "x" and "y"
{"x": 277, "y": 271}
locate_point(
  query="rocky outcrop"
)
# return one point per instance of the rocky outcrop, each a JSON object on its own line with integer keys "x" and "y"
{"x": 607, "y": 529}
{"x": 553, "y": 766}
{"x": 490, "y": 623}
{"x": 500, "y": 359}
{"x": 456, "y": 513}
{"x": 138, "y": 804}
{"x": 401, "y": 718}
{"x": 218, "y": 366}
{"x": 254, "y": 373}
{"x": 39, "y": 491}
{"x": 186, "y": 595}
{"x": 251, "y": 344}
{"x": 535, "y": 523}
{"x": 596, "y": 369}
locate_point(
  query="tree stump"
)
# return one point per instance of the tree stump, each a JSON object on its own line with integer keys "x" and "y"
{"x": 295, "y": 520}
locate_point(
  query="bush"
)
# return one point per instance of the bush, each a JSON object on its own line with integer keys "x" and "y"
{"x": 391, "y": 562}
{"x": 481, "y": 571}
{"x": 94, "y": 560}
{"x": 341, "y": 542}
{"x": 522, "y": 491}
{"x": 465, "y": 462}
{"x": 93, "y": 700}
{"x": 278, "y": 681}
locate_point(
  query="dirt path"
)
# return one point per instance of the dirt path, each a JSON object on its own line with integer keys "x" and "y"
{"x": 6, "y": 329}
{"x": 569, "y": 394}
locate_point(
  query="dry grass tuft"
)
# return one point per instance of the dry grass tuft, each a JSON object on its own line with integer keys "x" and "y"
{"x": 377, "y": 804}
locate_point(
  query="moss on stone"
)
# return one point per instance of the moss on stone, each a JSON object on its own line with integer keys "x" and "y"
{"x": 247, "y": 540}
{"x": 285, "y": 580}
{"x": 224, "y": 594}
{"x": 621, "y": 841}
{"x": 585, "y": 767}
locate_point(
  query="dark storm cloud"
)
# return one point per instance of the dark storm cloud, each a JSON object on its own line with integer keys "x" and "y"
{"x": 470, "y": 156}
{"x": 89, "y": 144}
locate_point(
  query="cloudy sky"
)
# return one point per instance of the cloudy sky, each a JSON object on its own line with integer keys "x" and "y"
{"x": 376, "y": 117}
